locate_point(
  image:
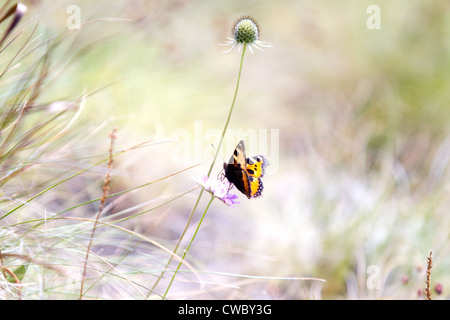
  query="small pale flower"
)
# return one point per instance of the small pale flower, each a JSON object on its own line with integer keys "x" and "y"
{"x": 245, "y": 32}
{"x": 219, "y": 189}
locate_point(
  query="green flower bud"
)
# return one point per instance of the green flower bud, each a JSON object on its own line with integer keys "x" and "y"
{"x": 246, "y": 30}
{"x": 245, "y": 33}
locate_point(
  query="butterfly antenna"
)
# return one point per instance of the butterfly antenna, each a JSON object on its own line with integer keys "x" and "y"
{"x": 212, "y": 145}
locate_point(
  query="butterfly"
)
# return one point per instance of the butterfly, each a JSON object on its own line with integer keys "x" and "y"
{"x": 246, "y": 173}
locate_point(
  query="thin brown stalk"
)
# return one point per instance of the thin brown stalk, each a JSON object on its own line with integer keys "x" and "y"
{"x": 428, "y": 281}
{"x": 6, "y": 271}
{"x": 33, "y": 261}
{"x": 100, "y": 209}
{"x": 16, "y": 11}
{"x": 16, "y": 280}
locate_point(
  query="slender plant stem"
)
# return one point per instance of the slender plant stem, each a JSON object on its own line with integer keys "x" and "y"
{"x": 188, "y": 247}
{"x": 209, "y": 173}
{"x": 231, "y": 110}
{"x": 428, "y": 282}
{"x": 178, "y": 243}
{"x": 100, "y": 209}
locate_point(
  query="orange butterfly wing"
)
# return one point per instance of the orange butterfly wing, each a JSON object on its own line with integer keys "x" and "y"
{"x": 256, "y": 167}
{"x": 245, "y": 173}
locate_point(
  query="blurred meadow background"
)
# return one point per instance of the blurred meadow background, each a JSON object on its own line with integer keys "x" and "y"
{"x": 355, "y": 122}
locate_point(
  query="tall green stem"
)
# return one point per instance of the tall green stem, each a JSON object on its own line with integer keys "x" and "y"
{"x": 231, "y": 110}
{"x": 201, "y": 192}
{"x": 188, "y": 247}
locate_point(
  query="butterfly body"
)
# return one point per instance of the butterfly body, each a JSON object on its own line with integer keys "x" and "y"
{"x": 246, "y": 173}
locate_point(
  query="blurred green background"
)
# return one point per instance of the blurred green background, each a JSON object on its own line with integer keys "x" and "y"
{"x": 361, "y": 178}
